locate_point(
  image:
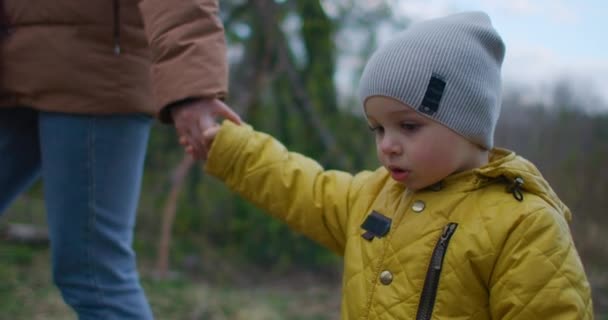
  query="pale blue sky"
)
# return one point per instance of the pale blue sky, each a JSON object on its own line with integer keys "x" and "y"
{"x": 546, "y": 40}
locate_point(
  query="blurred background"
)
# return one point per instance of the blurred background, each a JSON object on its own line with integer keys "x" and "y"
{"x": 206, "y": 254}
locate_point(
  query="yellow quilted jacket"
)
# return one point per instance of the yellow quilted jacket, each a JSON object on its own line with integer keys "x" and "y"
{"x": 463, "y": 249}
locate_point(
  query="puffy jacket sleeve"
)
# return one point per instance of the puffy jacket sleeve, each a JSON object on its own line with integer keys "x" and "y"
{"x": 539, "y": 274}
{"x": 188, "y": 48}
{"x": 287, "y": 185}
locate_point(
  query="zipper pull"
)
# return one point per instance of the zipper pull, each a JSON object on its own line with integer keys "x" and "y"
{"x": 448, "y": 230}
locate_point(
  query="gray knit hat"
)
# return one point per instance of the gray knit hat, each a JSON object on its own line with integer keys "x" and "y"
{"x": 447, "y": 69}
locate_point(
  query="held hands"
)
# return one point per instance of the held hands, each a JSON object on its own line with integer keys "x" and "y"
{"x": 197, "y": 126}
{"x": 207, "y": 140}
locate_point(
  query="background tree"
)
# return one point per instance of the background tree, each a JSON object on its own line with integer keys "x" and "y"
{"x": 294, "y": 70}
{"x": 284, "y": 57}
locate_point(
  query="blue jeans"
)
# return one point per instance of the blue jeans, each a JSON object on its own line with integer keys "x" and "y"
{"x": 91, "y": 168}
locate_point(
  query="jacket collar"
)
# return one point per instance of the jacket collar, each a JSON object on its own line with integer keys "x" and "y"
{"x": 504, "y": 167}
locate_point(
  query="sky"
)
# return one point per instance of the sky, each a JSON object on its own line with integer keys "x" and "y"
{"x": 546, "y": 41}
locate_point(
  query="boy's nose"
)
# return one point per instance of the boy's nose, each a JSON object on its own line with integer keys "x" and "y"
{"x": 389, "y": 146}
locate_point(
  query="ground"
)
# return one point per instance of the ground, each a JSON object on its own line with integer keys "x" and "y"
{"x": 26, "y": 292}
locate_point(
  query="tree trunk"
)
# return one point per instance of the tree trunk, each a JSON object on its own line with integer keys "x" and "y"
{"x": 177, "y": 182}
{"x": 266, "y": 11}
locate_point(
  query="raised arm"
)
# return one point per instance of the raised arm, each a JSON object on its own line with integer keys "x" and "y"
{"x": 287, "y": 185}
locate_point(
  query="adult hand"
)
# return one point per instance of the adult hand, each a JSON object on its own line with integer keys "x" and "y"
{"x": 194, "y": 118}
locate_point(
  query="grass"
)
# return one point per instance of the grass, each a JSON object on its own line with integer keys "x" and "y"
{"x": 26, "y": 292}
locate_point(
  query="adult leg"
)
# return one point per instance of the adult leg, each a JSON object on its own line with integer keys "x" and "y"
{"x": 19, "y": 152}
{"x": 92, "y": 170}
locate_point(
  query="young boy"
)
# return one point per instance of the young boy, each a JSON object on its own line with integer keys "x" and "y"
{"x": 448, "y": 227}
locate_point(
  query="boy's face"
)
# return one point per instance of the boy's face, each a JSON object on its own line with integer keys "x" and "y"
{"x": 416, "y": 150}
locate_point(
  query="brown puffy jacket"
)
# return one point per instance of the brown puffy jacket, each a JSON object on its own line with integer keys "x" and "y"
{"x": 96, "y": 57}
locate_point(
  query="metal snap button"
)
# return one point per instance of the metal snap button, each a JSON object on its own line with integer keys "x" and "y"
{"x": 386, "y": 277}
{"x": 418, "y": 206}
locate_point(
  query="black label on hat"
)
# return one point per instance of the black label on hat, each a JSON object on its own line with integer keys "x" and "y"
{"x": 432, "y": 96}
{"x": 375, "y": 225}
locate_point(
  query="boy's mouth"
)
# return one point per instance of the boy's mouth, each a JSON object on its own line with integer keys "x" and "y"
{"x": 399, "y": 174}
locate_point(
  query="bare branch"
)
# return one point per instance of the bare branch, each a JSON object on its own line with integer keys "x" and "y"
{"x": 177, "y": 182}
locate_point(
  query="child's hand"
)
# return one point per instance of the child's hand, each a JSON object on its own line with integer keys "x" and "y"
{"x": 192, "y": 119}
{"x": 206, "y": 139}
{"x": 209, "y": 135}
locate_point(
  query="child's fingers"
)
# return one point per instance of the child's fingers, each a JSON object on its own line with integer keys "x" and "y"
{"x": 212, "y": 130}
{"x": 183, "y": 141}
{"x": 209, "y": 135}
{"x": 207, "y": 138}
{"x": 190, "y": 150}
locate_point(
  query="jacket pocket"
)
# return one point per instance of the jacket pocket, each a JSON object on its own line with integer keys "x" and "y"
{"x": 431, "y": 282}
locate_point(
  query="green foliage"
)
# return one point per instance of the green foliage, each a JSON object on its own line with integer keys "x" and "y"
{"x": 600, "y": 127}
{"x": 318, "y": 34}
{"x": 18, "y": 255}
{"x": 27, "y": 292}
{"x": 208, "y": 214}
{"x": 25, "y": 281}
{"x": 212, "y": 224}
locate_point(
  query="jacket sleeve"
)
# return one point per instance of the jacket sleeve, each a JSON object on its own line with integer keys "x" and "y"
{"x": 539, "y": 274}
{"x": 188, "y": 47}
{"x": 287, "y": 185}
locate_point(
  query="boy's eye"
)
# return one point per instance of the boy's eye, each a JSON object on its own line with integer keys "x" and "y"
{"x": 410, "y": 126}
{"x": 376, "y": 129}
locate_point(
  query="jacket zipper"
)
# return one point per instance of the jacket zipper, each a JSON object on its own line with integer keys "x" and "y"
{"x": 431, "y": 282}
{"x": 116, "y": 12}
